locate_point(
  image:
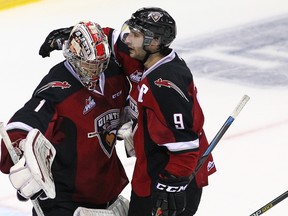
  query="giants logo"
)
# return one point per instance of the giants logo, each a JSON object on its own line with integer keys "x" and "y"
{"x": 106, "y": 129}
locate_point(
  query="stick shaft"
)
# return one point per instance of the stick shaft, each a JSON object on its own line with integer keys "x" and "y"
{"x": 220, "y": 133}
{"x": 270, "y": 204}
{"x": 8, "y": 143}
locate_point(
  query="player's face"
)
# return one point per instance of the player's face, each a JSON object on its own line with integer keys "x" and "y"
{"x": 134, "y": 41}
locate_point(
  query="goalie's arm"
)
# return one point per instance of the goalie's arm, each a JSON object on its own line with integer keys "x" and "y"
{"x": 23, "y": 121}
{"x": 8, "y": 144}
{"x": 32, "y": 173}
{"x": 6, "y": 161}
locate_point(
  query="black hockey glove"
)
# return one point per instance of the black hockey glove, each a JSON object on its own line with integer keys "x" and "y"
{"x": 54, "y": 41}
{"x": 169, "y": 197}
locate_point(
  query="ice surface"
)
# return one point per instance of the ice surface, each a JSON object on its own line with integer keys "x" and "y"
{"x": 232, "y": 47}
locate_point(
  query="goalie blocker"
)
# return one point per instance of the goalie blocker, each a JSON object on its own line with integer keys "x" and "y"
{"x": 33, "y": 171}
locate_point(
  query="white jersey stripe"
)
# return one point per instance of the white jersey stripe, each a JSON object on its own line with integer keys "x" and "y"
{"x": 181, "y": 146}
{"x": 18, "y": 125}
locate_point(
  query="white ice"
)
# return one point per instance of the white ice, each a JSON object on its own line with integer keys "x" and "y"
{"x": 252, "y": 156}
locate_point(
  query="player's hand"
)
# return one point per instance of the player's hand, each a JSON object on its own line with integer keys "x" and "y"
{"x": 169, "y": 198}
{"x": 54, "y": 41}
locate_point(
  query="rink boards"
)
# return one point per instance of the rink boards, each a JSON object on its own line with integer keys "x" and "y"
{"x": 7, "y": 4}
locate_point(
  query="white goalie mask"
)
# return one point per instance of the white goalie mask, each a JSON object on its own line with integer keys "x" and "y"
{"x": 87, "y": 50}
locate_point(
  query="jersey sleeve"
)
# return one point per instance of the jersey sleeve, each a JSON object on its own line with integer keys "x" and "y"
{"x": 38, "y": 112}
{"x": 183, "y": 155}
{"x": 6, "y": 162}
{"x": 172, "y": 97}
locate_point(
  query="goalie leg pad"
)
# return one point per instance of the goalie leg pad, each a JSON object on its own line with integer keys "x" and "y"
{"x": 118, "y": 208}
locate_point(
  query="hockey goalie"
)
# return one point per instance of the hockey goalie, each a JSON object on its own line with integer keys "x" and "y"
{"x": 32, "y": 178}
{"x": 73, "y": 167}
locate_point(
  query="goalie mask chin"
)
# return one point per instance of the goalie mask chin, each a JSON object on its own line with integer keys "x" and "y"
{"x": 88, "y": 52}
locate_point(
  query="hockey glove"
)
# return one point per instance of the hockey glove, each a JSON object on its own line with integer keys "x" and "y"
{"x": 22, "y": 179}
{"x": 32, "y": 173}
{"x": 169, "y": 197}
{"x": 125, "y": 133}
{"x": 54, "y": 41}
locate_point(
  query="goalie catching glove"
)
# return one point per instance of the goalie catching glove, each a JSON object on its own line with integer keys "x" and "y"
{"x": 169, "y": 197}
{"x": 54, "y": 41}
{"x": 31, "y": 175}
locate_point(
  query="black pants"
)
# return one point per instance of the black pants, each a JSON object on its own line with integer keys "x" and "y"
{"x": 142, "y": 206}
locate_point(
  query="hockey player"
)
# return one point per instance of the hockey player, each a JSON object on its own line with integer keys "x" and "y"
{"x": 170, "y": 149}
{"x": 78, "y": 106}
{"x": 169, "y": 136}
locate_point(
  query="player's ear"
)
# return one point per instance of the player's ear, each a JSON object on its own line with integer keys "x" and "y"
{"x": 156, "y": 41}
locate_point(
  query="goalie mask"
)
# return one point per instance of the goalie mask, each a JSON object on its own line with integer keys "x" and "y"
{"x": 88, "y": 52}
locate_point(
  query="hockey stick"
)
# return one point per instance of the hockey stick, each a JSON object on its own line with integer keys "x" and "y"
{"x": 15, "y": 159}
{"x": 220, "y": 133}
{"x": 270, "y": 204}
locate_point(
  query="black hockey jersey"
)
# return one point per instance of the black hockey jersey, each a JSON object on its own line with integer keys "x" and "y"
{"x": 169, "y": 134}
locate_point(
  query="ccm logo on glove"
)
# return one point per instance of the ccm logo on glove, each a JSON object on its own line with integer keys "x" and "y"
{"x": 171, "y": 189}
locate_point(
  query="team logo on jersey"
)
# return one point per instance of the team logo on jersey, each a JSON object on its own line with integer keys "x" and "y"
{"x": 105, "y": 130}
{"x": 166, "y": 83}
{"x": 210, "y": 165}
{"x": 54, "y": 84}
{"x": 136, "y": 76}
{"x": 89, "y": 105}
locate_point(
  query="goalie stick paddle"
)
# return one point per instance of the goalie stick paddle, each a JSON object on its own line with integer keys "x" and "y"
{"x": 270, "y": 204}
{"x": 15, "y": 159}
{"x": 220, "y": 134}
